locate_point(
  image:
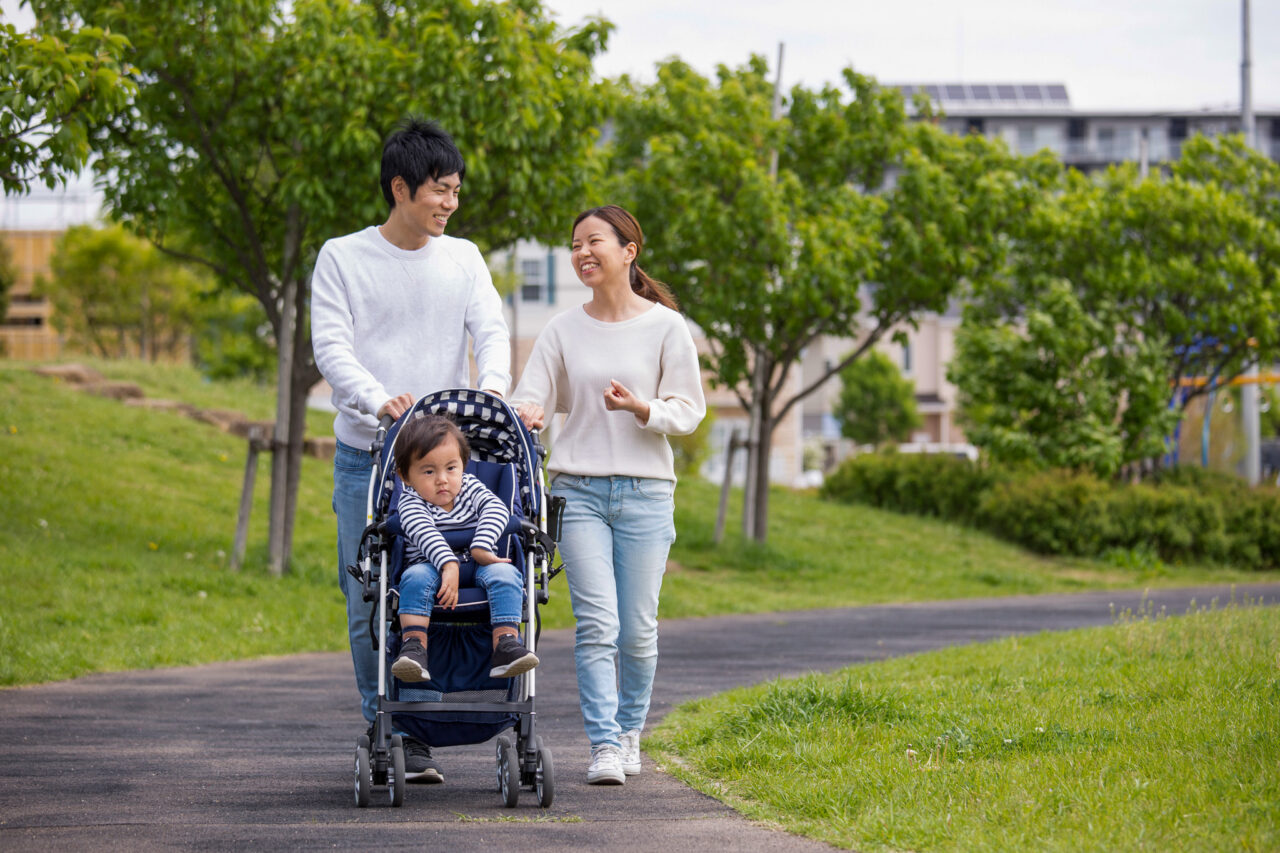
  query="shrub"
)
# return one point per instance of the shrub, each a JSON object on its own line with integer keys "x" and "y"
{"x": 1182, "y": 515}
{"x": 923, "y": 484}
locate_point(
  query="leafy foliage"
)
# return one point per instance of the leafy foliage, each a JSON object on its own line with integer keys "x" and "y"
{"x": 59, "y": 86}
{"x": 876, "y": 403}
{"x": 1186, "y": 516}
{"x": 1121, "y": 290}
{"x": 765, "y": 264}
{"x": 256, "y": 130}
{"x": 8, "y": 276}
{"x": 115, "y": 295}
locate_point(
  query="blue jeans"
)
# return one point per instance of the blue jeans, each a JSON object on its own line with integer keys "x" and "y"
{"x": 617, "y": 532}
{"x": 501, "y": 581}
{"x": 351, "y": 471}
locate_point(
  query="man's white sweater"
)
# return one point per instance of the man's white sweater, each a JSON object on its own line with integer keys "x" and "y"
{"x": 572, "y": 362}
{"x": 386, "y": 321}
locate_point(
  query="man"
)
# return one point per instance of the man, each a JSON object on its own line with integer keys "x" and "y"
{"x": 392, "y": 307}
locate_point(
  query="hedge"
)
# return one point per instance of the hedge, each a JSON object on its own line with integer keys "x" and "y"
{"x": 1183, "y": 515}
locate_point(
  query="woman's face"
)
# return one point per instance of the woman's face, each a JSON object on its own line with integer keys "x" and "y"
{"x": 597, "y": 256}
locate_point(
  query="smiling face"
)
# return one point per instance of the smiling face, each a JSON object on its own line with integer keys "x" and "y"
{"x": 437, "y": 475}
{"x": 598, "y": 255}
{"x": 428, "y": 212}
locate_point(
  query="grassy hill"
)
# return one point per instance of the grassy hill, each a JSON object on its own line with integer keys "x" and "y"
{"x": 116, "y": 524}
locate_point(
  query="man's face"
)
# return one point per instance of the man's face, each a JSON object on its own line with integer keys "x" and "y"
{"x": 432, "y": 205}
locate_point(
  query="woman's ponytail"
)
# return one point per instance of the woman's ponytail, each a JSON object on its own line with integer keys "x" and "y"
{"x": 651, "y": 288}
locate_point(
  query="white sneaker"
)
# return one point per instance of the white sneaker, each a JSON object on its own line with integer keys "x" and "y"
{"x": 606, "y": 765}
{"x": 630, "y": 752}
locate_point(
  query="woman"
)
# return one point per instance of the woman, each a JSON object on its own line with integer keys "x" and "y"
{"x": 624, "y": 370}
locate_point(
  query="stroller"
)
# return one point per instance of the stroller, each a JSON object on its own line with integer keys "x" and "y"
{"x": 461, "y": 704}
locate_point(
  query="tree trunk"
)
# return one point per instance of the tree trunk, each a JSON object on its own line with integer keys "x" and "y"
{"x": 760, "y": 532}
{"x": 757, "y": 412}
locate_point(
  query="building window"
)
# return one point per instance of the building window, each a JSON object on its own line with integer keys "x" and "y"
{"x": 533, "y": 281}
{"x": 906, "y": 358}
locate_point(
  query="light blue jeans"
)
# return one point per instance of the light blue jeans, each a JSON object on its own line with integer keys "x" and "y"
{"x": 617, "y": 532}
{"x": 502, "y": 583}
{"x": 351, "y": 471}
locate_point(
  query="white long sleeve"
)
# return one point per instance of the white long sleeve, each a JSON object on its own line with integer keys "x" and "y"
{"x": 572, "y": 362}
{"x": 386, "y": 321}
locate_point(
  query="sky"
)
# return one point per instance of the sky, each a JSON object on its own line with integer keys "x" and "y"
{"x": 1111, "y": 54}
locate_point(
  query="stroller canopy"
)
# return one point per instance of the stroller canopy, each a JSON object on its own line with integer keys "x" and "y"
{"x": 494, "y": 431}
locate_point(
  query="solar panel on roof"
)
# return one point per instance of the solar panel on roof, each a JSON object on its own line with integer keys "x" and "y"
{"x": 955, "y": 93}
{"x": 907, "y": 91}
{"x": 981, "y": 92}
{"x": 933, "y": 92}
{"x": 1006, "y": 92}
{"x": 1058, "y": 92}
{"x": 1031, "y": 92}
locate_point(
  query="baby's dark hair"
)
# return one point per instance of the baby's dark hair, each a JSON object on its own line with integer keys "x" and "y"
{"x": 423, "y": 434}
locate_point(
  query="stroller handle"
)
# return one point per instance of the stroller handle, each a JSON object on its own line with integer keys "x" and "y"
{"x": 380, "y": 437}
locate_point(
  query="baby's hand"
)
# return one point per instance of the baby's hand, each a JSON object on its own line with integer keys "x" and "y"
{"x": 485, "y": 557}
{"x": 448, "y": 594}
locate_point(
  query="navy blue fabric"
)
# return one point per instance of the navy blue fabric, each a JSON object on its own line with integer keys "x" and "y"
{"x": 458, "y": 659}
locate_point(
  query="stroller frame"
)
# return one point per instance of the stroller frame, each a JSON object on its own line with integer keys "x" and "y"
{"x": 524, "y": 761}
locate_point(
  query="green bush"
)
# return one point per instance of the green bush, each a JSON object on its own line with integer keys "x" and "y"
{"x": 1053, "y": 512}
{"x": 1182, "y": 515}
{"x": 938, "y": 485}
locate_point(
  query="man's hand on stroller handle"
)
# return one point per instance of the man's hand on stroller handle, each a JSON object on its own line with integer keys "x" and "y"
{"x": 448, "y": 594}
{"x": 485, "y": 557}
{"x": 396, "y": 406}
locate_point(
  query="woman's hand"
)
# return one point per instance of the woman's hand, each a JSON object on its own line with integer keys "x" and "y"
{"x": 617, "y": 397}
{"x": 531, "y": 414}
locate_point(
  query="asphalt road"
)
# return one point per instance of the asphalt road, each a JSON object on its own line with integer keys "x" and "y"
{"x": 259, "y": 753}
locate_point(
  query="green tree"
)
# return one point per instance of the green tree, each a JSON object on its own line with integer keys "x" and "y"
{"x": 8, "y": 277}
{"x": 876, "y": 403}
{"x": 116, "y": 296}
{"x": 864, "y": 221}
{"x": 1161, "y": 281}
{"x": 58, "y": 85}
{"x": 257, "y": 125}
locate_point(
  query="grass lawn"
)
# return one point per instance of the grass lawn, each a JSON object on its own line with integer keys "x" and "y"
{"x": 1152, "y": 734}
{"x": 116, "y": 523}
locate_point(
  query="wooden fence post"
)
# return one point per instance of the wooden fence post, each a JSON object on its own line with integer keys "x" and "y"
{"x": 735, "y": 443}
{"x": 258, "y": 442}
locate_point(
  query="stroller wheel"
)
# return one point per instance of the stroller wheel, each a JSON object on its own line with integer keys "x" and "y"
{"x": 395, "y": 776}
{"x": 364, "y": 774}
{"x": 545, "y": 776}
{"x": 508, "y": 772}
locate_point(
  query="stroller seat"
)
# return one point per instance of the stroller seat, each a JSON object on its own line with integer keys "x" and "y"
{"x": 473, "y": 603}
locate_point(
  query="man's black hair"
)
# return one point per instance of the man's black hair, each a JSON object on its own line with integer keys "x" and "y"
{"x": 419, "y": 151}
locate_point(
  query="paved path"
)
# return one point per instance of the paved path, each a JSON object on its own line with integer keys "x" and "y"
{"x": 258, "y": 753}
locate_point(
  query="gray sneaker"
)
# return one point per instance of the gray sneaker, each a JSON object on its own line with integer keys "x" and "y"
{"x": 419, "y": 766}
{"x": 606, "y": 765}
{"x": 630, "y": 752}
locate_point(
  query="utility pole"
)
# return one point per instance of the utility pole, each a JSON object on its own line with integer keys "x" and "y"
{"x": 757, "y": 479}
{"x": 1249, "y": 416}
